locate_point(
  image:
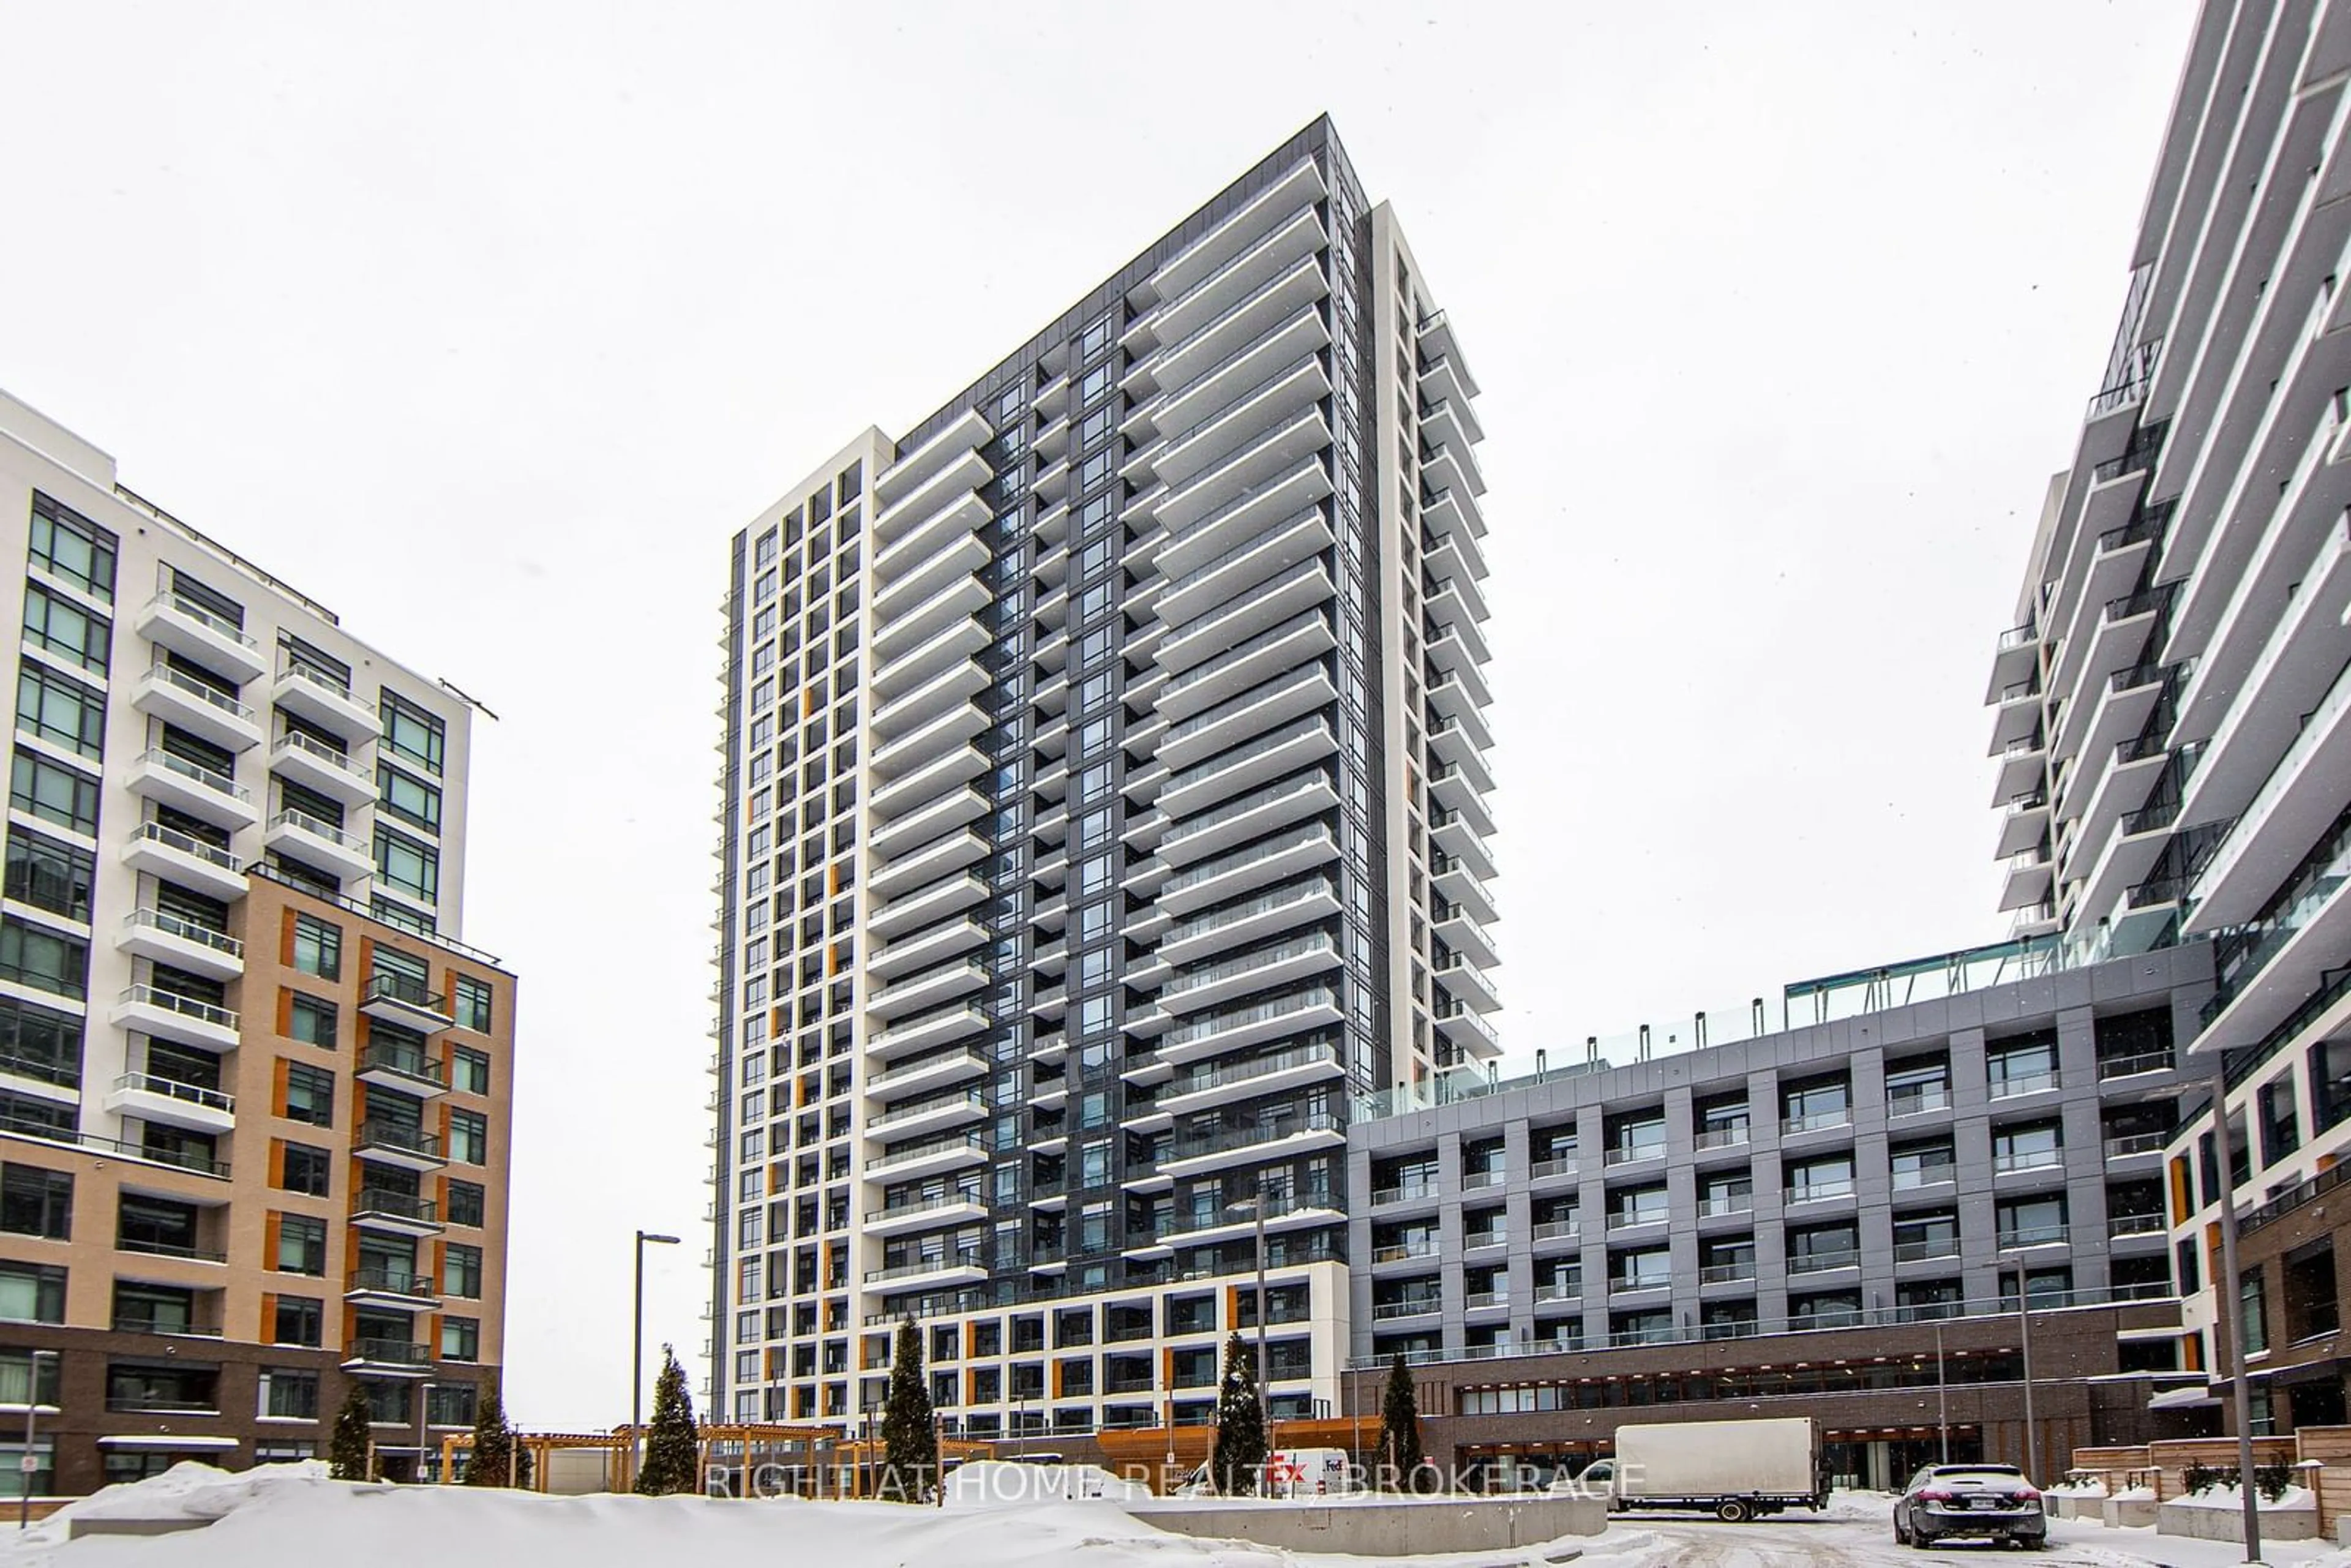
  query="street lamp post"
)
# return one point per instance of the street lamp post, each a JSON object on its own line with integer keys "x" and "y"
{"x": 637, "y": 1364}
{"x": 25, "y": 1466}
{"x": 1257, "y": 1206}
{"x": 2024, "y": 1331}
{"x": 2230, "y": 1296}
{"x": 1942, "y": 1398}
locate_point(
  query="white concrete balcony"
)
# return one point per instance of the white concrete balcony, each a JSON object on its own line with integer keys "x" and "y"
{"x": 2091, "y": 727}
{"x": 937, "y": 614}
{"x": 955, "y": 1209}
{"x": 2118, "y": 643}
{"x": 1213, "y": 1034}
{"x": 1241, "y": 350}
{"x": 2023, "y": 823}
{"x": 957, "y": 683}
{"x": 1443, "y": 377}
{"x": 1295, "y": 591}
{"x": 398, "y": 1145}
{"x": 1240, "y": 476}
{"x": 924, "y": 1031}
{"x": 1285, "y": 962}
{"x": 152, "y": 1097}
{"x": 319, "y": 843}
{"x": 1221, "y": 1084}
{"x": 1458, "y": 787}
{"x": 183, "y": 858}
{"x": 1246, "y": 817}
{"x": 895, "y": 677}
{"x": 1458, "y": 838}
{"x": 1465, "y": 934}
{"x": 166, "y": 1015}
{"x": 1238, "y": 1148}
{"x": 928, "y": 1272}
{"x": 2116, "y": 557}
{"x": 391, "y": 1289}
{"x": 960, "y": 559}
{"x": 936, "y": 1114}
{"x": 404, "y": 1068}
{"x": 1285, "y": 750}
{"x": 1195, "y": 449}
{"x": 407, "y": 1003}
{"x": 943, "y": 532}
{"x": 1468, "y": 984}
{"x": 1241, "y": 718}
{"x": 2024, "y": 879}
{"x": 193, "y": 632}
{"x": 918, "y": 827}
{"x": 1457, "y": 884}
{"x": 1456, "y": 598}
{"x": 372, "y": 1356}
{"x": 1454, "y": 742}
{"x": 192, "y": 788}
{"x": 2023, "y": 763}
{"x": 920, "y": 867}
{"x": 925, "y": 948}
{"x": 329, "y": 772}
{"x": 182, "y": 700}
{"x": 389, "y": 1212}
{"x": 182, "y": 942}
{"x": 1254, "y": 560}
{"x": 1263, "y": 289}
{"x": 1445, "y": 514}
{"x": 1270, "y": 212}
{"x": 1450, "y": 422}
{"x": 1277, "y": 859}
{"x": 1249, "y": 922}
{"x": 1304, "y": 637}
{"x": 1246, "y": 521}
{"x": 929, "y": 782}
{"x": 928, "y": 1075}
{"x": 946, "y": 456}
{"x": 904, "y": 916}
{"x": 2297, "y": 672}
{"x": 925, "y": 989}
{"x": 1464, "y": 1028}
{"x": 1458, "y": 801}
{"x": 330, "y": 704}
{"x": 1456, "y": 556}
{"x": 927, "y": 1158}
{"x": 2286, "y": 815}
{"x": 926, "y": 743}
{"x": 1451, "y": 662}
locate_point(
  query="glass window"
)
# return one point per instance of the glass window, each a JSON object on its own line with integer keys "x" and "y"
{"x": 32, "y": 1293}
{"x": 35, "y": 955}
{"x": 40, "y": 1042}
{"x": 413, "y": 732}
{"x": 37, "y": 1201}
{"x": 469, "y": 1070}
{"x": 311, "y": 1020}
{"x": 461, "y": 1271}
{"x": 54, "y": 792}
{"x": 69, "y": 546}
{"x": 471, "y": 999}
{"x": 465, "y": 1199}
{"x": 461, "y": 1340}
{"x": 60, "y": 709}
{"x": 318, "y": 947}
{"x": 303, "y": 1169}
{"x": 59, "y": 626}
{"x": 300, "y": 1321}
{"x": 49, "y": 873}
{"x": 289, "y": 1393}
{"x": 301, "y": 1244}
{"x": 407, "y": 866}
{"x": 309, "y": 1094}
{"x": 469, "y": 1137}
{"x": 408, "y": 797}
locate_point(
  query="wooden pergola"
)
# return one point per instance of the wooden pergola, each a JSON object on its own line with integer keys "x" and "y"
{"x": 816, "y": 1461}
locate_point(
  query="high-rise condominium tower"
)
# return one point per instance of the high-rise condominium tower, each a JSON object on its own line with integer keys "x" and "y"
{"x": 253, "y": 1089}
{"x": 2175, "y": 759}
{"x": 1105, "y": 801}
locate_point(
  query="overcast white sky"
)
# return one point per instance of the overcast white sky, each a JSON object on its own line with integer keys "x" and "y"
{"x": 489, "y": 324}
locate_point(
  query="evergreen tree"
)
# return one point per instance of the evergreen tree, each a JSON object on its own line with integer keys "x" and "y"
{"x": 1399, "y": 1427}
{"x": 494, "y": 1444}
{"x": 1240, "y": 1454}
{"x": 526, "y": 1470}
{"x": 347, "y": 1452}
{"x": 910, "y": 1437}
{"x": 673, "y": 1456}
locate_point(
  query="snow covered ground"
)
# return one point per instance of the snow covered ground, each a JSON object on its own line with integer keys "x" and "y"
{"x": 293, "y": 1514}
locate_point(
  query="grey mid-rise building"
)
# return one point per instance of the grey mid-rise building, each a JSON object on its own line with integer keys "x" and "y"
{"x": 1105, "y": 807}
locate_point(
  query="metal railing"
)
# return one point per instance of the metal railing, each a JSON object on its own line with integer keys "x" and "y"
{"x": 203, "y": 691}
{"x": 166, "y": 923}
{"x": 392, "y": 1281}
{"x": 395, "y": 1204}
{"x": 398, "y": 1136}
{"x": 172, "y": 1089}
{"x": 388, "y": 1352}
{"x": 220, "y": 783}
{"x": 144, "y": 995}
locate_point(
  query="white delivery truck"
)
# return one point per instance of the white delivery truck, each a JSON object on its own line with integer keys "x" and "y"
{"x": 1732, "y": 1469}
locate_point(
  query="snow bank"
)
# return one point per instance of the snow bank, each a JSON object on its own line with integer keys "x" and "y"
{"x": 281, "y": 1514}
{"x": 987, "y": 1484}
{"x": 2233, "y": 1499}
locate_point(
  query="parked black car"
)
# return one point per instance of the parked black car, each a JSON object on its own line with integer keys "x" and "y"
{"x": 1951, "y": 1502}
